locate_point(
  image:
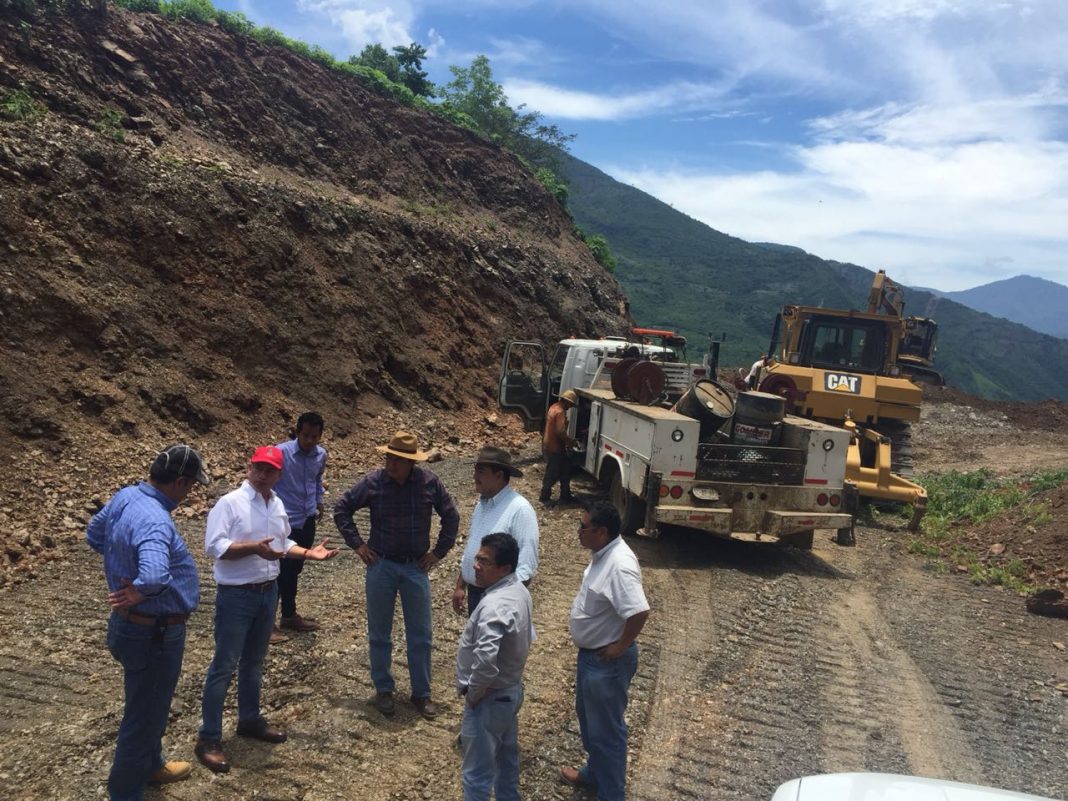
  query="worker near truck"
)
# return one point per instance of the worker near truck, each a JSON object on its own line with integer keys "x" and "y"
{"x": 152, "y": 589}
{"x": 606, "y": 617}
{"x": 247, "y": 533}
{"x": 554, "y": 446}
{"x": 402, "y": 497}
{"x": 301, "y": 491}
{"x": 500, "y": 509}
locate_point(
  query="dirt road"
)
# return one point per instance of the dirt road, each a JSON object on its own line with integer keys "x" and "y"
{"x": 758, "y": 665}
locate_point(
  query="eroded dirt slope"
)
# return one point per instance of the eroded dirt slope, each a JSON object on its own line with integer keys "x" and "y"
{"x": 247, "y": 235}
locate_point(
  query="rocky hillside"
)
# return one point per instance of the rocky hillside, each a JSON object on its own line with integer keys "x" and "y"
{"x": 202, "y": 236}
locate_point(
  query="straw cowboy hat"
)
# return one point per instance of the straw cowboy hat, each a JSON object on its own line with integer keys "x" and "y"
{"x": 498, "y": 457}
{"x": 404, "y": 445}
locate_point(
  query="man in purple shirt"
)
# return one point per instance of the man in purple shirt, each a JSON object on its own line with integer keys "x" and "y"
{"x": 402, "y": 498}
{"x": 153, "y": 588}
{"x": 301, "y": 491}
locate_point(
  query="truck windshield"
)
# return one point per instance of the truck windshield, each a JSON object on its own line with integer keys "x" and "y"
{"x": 556, "y": 370}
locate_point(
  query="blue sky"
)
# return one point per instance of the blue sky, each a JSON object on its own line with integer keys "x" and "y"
{"x": 929, "y": 137}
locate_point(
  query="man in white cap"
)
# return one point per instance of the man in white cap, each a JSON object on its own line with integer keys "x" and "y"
{"x": 153, "y": 588}
{"x": 247, "y": 533}
{"x": 402, "y": 498}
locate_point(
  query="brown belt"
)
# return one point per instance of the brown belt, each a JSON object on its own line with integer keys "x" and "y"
{"x": 149, "y": 620}
{"x": 260, "y": 586}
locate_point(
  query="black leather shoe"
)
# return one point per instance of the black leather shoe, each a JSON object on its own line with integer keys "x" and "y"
{"x": 210, "y": 755}
{"x": 259, "y": 729}
{"x": 384, "y": 703}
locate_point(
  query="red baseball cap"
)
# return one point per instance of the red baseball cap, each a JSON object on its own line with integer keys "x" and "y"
{"x": 268, "y": 454}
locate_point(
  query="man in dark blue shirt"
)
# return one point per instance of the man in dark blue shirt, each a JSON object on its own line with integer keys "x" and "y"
{"x": 402, "y": 498}
{"x": 153, "y": 587}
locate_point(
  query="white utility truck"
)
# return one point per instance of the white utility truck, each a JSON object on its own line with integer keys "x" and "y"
{"x": 692, "y": 460}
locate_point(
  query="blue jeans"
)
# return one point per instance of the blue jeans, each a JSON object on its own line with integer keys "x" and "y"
{"x": 243, "y": 622}
{"x": 384, "y": 580}
{"x": 600, "y": 701}
{"x": 490, "y": 736}
{"x": 151, "y": 662}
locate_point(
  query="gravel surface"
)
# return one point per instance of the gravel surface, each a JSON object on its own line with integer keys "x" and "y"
{"x": 758, "y": 664}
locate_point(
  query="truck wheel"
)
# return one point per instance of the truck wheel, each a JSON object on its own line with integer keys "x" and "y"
{"x": 630, "y": 508}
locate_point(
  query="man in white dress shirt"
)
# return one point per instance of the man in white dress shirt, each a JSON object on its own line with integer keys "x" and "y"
{"x": 247, "y": 533}
{"x": 500, "y": 509}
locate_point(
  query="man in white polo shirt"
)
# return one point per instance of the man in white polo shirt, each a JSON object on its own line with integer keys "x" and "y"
{"x": 606, "y": 617}
{"x": 247, "y": 533}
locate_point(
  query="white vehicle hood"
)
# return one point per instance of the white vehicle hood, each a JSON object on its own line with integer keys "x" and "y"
{"x": 888, "y": 787}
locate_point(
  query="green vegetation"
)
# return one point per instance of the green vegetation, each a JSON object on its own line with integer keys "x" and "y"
{"x": 403, "y": 66}
{"x": 598, "y": 246}
{"x": 475, "y": 94}
{"x": 957, "y": 500}
{"x": 109, "y": 123}
{"x": 16, "y": 104}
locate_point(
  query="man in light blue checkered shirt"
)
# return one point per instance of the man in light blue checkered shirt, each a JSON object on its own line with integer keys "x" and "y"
{"x": 153, "y": 588}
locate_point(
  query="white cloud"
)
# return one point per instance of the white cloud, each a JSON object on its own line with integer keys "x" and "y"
{"x": 554, "y": 101}
{"x": 943, "y": 217}
{"x": 364, "y": 22}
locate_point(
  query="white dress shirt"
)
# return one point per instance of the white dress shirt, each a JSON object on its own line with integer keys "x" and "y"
{"x": 506, "y": 512}
{"x": 611, "y": 593}
{"x": 242, "y": 516}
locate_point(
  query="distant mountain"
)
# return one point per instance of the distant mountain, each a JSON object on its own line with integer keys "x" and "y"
{"x": 1034, "y": 302}
{"x": 680, "y": 272}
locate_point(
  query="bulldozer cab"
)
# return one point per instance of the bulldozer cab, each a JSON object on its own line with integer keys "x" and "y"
{"x": 844, "y": 344}
{"x": 848, "y": 341}
{"x": 917, "y": 352}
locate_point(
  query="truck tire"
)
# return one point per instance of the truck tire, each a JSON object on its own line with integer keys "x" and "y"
{"x": 631, "y": 509}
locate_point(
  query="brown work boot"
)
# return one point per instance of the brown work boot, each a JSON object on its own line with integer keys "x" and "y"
{"x": 425, "y": 707}
{"x": 298, "y": 623}
{"x": 211, "y": 756}
{"x": 277, "y": 636}
{"x": 171, "y": 772}
{"x": 260, "y": 729}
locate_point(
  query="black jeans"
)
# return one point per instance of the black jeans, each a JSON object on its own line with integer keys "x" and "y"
{"x": 289, "y": 569}
{"x": 557, "y": 468}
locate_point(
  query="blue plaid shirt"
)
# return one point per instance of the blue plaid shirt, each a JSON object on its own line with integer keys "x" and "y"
{"x": 140, "y": 543}
{"x": 301, "y": 484}
{"x": 400, "y": 514}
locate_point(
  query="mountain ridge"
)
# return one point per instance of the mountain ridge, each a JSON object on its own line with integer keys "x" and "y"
{"x": 679, "y": 271}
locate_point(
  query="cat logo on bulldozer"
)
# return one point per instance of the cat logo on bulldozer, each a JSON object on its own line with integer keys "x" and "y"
{"x": 841, "y": 382}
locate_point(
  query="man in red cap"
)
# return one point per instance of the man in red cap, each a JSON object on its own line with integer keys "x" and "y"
{"x": 247, "y": 533}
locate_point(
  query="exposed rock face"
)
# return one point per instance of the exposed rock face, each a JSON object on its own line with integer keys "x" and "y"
{"x": 201, "y": 236}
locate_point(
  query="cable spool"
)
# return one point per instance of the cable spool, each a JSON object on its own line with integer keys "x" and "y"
{"x": 638, "y": 380}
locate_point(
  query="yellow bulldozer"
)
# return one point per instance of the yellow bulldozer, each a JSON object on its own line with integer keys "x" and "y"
{"x": 861, "y": 370}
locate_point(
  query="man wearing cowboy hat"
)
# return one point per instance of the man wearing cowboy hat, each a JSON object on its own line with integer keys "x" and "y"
{"x": 500, "y": 510}
{"x": 401, "y": 497}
